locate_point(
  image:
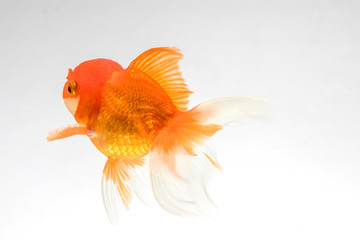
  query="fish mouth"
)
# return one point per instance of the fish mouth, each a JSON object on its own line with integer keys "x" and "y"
{"x": 72, "y": 104}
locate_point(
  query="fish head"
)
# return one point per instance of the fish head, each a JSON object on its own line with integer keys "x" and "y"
{"x": 83, "y": 90}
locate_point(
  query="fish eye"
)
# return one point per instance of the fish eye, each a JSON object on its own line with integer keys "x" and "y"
{"x": 72, "y": 87}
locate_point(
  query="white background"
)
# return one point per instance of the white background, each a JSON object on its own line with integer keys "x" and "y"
{"x": 293, "y": 177}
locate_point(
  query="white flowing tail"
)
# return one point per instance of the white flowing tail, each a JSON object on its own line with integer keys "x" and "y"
{"x": 180, "y": 162}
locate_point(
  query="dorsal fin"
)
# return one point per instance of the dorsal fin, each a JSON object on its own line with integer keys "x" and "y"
{"x": 161, "y": 65}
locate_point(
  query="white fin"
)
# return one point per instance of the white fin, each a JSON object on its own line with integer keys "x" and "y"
{"x": 139, "y": 183}
{"x": 120, "y": 179}
{"x": 225, "y": 110}
{"x": 183, "y": 192}
{"x": 111, "y": 199}
{"x": 180, "y": 162}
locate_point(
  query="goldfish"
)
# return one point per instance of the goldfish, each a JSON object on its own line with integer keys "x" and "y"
{"x": 138, "y": 116}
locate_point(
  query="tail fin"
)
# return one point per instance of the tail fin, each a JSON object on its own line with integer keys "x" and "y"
{"x": 180, "y": 162}
{"x": 232, "y": 109}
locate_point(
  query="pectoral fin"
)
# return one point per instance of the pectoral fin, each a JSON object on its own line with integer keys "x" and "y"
{"x": 68, "y": 131}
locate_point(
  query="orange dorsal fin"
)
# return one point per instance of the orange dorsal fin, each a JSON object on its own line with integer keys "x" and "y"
{"x": 161, "y": 64}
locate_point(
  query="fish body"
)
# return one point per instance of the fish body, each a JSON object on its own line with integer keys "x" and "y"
{"x": 139, "y": 114}
{"x": 133, "y": 110}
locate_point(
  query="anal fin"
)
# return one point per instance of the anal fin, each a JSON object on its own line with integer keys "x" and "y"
{"x": 118, "y": 184}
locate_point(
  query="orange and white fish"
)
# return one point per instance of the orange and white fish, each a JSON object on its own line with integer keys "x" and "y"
{"x": 139, "y": 114}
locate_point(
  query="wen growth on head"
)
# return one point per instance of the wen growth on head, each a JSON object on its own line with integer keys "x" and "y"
{"x": 138, "y": 116}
